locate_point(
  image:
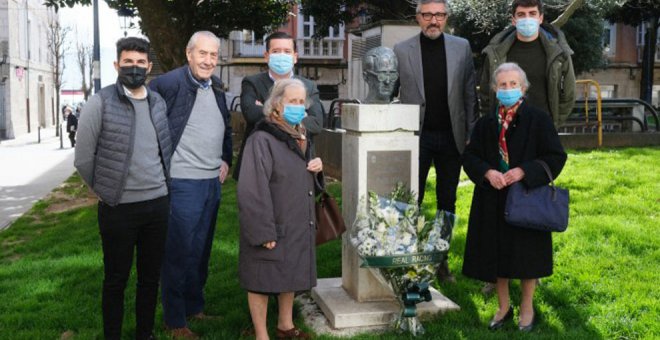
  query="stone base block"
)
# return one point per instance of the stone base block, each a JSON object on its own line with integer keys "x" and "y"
{"x": 343, "y": 312}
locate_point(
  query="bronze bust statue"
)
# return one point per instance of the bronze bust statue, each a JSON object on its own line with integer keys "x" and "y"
{"x": 379, "y": 69}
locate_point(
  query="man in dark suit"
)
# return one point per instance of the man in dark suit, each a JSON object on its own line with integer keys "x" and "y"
{"x": 281, "y": 56}
{"x": 437, "y": 73}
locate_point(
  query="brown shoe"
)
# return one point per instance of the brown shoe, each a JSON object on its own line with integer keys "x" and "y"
{"x": 182, "y": 333}
{"x": 293, "y": 333}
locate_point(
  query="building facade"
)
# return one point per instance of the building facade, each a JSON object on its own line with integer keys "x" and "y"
{"x": 321, "y": 60}
{"x": 27, "y": 94}
{"x": 623, "y": 49}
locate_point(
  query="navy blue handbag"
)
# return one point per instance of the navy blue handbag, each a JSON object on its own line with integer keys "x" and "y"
{"x": 544, "y": 208}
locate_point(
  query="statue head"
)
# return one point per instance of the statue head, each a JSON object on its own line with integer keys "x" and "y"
{"x": 379, "y": 69}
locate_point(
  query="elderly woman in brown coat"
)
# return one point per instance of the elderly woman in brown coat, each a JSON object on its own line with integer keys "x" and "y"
{"x": 504, "y": 149}
{"x": 276, "y": 210}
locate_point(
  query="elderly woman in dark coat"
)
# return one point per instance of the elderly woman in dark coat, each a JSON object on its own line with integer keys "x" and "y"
{"x": 276, "y": 210}
{"x": 502, "y": 150}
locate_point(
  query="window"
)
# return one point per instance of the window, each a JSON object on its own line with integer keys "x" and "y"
{"x": 655, "y": 97}
{"x": 607, "y": 91}
{"x": 330, "y": 46}
{"x": 248, "y": 36}
{"x": 609, "y": 38}
{"x": 641, "y": 35}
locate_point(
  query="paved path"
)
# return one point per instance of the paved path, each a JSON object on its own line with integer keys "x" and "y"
{"x": 30, "y": 170}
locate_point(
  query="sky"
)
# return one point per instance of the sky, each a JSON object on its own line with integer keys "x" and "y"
{"x": 81, "y": 21}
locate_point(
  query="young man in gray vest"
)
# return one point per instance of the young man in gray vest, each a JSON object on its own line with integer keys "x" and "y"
{"x": 201, "y": 135}
{"x": 123, "y": 154}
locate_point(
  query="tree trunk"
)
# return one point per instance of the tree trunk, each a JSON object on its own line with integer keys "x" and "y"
{"x": 168, "y": 40}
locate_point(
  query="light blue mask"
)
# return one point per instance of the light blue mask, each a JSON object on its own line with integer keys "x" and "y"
{"x": 509, "y": 97}
{"x": 280, "y": 63}
{"x": 527, "y": 27}
{"x": 293, "y": 114}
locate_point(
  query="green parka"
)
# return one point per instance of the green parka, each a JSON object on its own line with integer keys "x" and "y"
{"x": 560, "y": 74}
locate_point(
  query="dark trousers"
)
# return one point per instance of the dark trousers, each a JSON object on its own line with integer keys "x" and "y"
{"x": 193, "y": 212}
{"x": 125, "y": 227}
{"x": 439, "y": 148}
{"x": 72, "y": 138}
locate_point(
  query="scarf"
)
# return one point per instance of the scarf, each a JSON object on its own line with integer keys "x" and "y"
{"x": 504, "y": 118}
{"x": 297, "y": 132}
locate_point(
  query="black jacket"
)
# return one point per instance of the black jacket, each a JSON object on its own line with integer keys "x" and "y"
{"x": 494, "y": 248}
{"x": 71, "y": 123}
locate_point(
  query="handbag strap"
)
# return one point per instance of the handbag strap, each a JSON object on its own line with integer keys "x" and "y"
{"x": 547, "y": 171}
{"x": 320, "y": 188}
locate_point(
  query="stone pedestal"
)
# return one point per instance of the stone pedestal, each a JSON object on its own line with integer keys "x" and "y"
{"x": 379, "y": 149}
{"x": 342, "y": 311}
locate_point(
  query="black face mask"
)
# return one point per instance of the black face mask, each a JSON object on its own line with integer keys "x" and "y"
{"x": 132, "y": 76}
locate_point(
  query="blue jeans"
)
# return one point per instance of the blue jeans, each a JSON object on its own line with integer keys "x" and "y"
{"x": 439, "y": 148}
{"x": 193, "y": 211}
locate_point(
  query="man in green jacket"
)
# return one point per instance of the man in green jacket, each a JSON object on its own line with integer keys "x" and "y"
{"x": 542, "y": 52}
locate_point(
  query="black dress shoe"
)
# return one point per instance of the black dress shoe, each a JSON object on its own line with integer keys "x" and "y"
{"x": 497, "y": 324}
{"x": 528, "y": 328}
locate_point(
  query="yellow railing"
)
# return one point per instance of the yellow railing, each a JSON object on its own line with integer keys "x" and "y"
{"x": 599, "y": 105}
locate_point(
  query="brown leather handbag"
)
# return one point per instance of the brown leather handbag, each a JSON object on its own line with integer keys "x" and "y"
{"x": 329, "y": 221}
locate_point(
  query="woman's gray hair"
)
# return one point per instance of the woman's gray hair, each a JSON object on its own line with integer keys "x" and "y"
{"x": 208, "y": 34}
{"x": 424, "y": 2}
{"x": 277, "y": 94}
{"x": 506, "y": 67}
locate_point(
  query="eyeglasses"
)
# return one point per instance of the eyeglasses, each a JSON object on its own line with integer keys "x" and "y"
{"x": 382, "y": 76}
{"x": 440, "y": 16}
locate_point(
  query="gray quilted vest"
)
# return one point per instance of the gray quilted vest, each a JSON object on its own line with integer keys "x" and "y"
{"x": 115, "y": 143}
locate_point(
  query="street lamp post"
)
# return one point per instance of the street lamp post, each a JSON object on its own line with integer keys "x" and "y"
{"x": 125, "y": 19}
{"x": 96, "y": 64}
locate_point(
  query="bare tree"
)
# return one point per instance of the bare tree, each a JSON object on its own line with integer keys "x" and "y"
{"x": 84, "y": 56}
{"x": 57, "y": 48}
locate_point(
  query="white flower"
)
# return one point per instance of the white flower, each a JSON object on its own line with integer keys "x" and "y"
{"x": 441, "y": 245}
{"x": 420, "y": 223}
{"x": 406, "y": 239}
{"x": 391, "y": 216}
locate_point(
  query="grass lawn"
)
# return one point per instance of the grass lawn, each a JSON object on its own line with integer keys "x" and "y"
{"x": 607, "y": 265}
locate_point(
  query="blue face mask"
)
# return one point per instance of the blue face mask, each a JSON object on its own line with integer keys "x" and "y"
{"x": 509, "y": 97}
{"x": 293, "y": 114}
{"x": 527, "y": 27}
{"x": 280, "y": 63}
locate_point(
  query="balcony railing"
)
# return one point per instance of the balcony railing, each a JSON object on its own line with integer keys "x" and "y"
{"x": 243, "y": 49}
{"x": 307, "y": 48}
{"x": 321, "y": 49}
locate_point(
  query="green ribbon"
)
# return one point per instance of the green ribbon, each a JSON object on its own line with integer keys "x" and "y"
{"x": 416, "y": 293}
{"x": 395, "y": 261}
